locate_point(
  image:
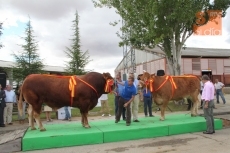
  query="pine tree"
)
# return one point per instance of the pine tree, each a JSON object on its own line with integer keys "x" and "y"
{"x": 78, "y": 59}
{"x": 28, "y": 60}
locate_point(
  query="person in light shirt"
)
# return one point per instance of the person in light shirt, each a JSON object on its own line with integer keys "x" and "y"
{"x": 219, "y": 86}
{"x": 104, "y": 105}
{"x": 208, "y": 103}
{"x": 10, "y": 100}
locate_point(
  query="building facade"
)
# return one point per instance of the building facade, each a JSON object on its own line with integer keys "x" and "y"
{"x": 6, "y": 76}
{"x": 195, "y": 61}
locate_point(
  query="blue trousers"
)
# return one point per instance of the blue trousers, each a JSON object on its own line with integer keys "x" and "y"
{"x": 148, "y": 104}
{"x": 220, "y": 93}
{"x": 117, "y": 105}
{"x": 67, "y": 115}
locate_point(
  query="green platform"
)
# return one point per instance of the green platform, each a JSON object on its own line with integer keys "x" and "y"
{"x": 73, "y": 134}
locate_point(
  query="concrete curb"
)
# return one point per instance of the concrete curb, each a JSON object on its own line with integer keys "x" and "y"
{"x": 218, "y": 113}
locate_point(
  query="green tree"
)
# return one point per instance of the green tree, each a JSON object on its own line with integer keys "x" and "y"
{"x": 78, "y": 59}
{"x": 163, "y": 23}
{"x": 27, "y": 60}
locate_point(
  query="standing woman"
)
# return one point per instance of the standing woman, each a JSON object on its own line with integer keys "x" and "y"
{"x": 2, "y": 106}
{"x": 21, "y": 118}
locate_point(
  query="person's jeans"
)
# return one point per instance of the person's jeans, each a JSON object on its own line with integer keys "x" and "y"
{"x": 148, "y": 103}
{"x": 220, "y": 93}
{"x": 67, "y": 115}
{"x": 116, "y": 107}
{"x": 208, "y": 114}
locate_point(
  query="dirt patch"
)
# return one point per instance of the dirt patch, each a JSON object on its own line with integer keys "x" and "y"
{"x": 165, "y": 151}
{"x": 119, "y": 149}
{"x": 226, "y": 123}
{"x": 172, "y": 142}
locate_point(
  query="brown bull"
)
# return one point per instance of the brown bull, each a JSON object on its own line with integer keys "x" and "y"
{"x": 168, "y": 88}
{"x": 58, "y": 91}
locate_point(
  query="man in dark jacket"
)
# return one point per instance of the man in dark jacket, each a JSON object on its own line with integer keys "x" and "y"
{"x": 2, "y": 106}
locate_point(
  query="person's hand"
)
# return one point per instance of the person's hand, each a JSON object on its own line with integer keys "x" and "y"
{"x": 126, "y": 104}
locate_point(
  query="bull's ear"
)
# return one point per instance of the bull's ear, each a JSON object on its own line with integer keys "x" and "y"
{"x": 153, "y": 75}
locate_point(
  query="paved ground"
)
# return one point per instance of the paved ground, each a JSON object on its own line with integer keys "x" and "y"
{"x": 189, "y": 143}
{"x": 180, "y": 143}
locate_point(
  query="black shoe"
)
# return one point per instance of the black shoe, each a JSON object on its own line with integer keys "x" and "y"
{"x": 151, "y": 115}
{"x": 124, "y": 119}
{"x": 116, "y": 121}
{"x": 205, "y": 132}
{"x": 127, "y": 124}
{"x": 217, "y": 102}
{"x": 2, "y": 125}
{"x": 10, "y": 123}
{"x": 146, "y": 115}
{"x": 136, "y": 121}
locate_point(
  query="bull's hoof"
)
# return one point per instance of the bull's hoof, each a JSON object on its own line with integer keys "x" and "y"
{"x": 193, "y": 115}
{"x": 162, "y": 119}
{"x": 33, "y": 128}
{"x": 42, "y": 130}
{"x": 87, "y": 127}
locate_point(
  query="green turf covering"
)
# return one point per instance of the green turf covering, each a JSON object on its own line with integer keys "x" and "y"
{"x": 73, "y": 134}
{"x": 61, "y": 135}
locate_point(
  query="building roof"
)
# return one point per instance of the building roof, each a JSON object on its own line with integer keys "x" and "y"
{"x": 9, "y": 64}
{"x": 198, "y": 52}
{"x": 206, "y": 52}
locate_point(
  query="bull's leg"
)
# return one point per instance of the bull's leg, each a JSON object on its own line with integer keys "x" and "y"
{"x": 86, "y": 120}
{"x": 82, "y": 120}
{"x": 162, "y": 113}
{"x": 30, "y": 115}
{"x": 38, "y": 120}
{"x": 194, "y": 110}
{"x": 163, "y": 107}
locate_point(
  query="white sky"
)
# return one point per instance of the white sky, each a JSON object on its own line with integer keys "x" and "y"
{"x": 52, "y": 21}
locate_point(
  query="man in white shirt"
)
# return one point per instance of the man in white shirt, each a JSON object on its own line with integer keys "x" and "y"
{"x": 104, "y": 105}
{"x": 218, "y": 87}
{"x": 135, "y": 103}
{"x": 10, "y": 100}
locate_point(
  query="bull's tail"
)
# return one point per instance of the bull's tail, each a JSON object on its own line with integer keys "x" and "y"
{"x": 20, "y": 103}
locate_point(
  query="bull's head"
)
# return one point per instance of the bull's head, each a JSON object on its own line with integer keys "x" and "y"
{"x": 109, "y": 86}
{"x": 147, "y": 80}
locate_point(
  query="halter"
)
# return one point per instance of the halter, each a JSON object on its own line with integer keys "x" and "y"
{"x": 73, "y": 83}
{"x": 168, "y": 78}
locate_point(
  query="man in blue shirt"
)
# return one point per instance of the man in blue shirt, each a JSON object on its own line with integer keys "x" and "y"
{"x": 147, "y": 102}
{"x": 126, "y": 99}
{"x": 118, "y": 91}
